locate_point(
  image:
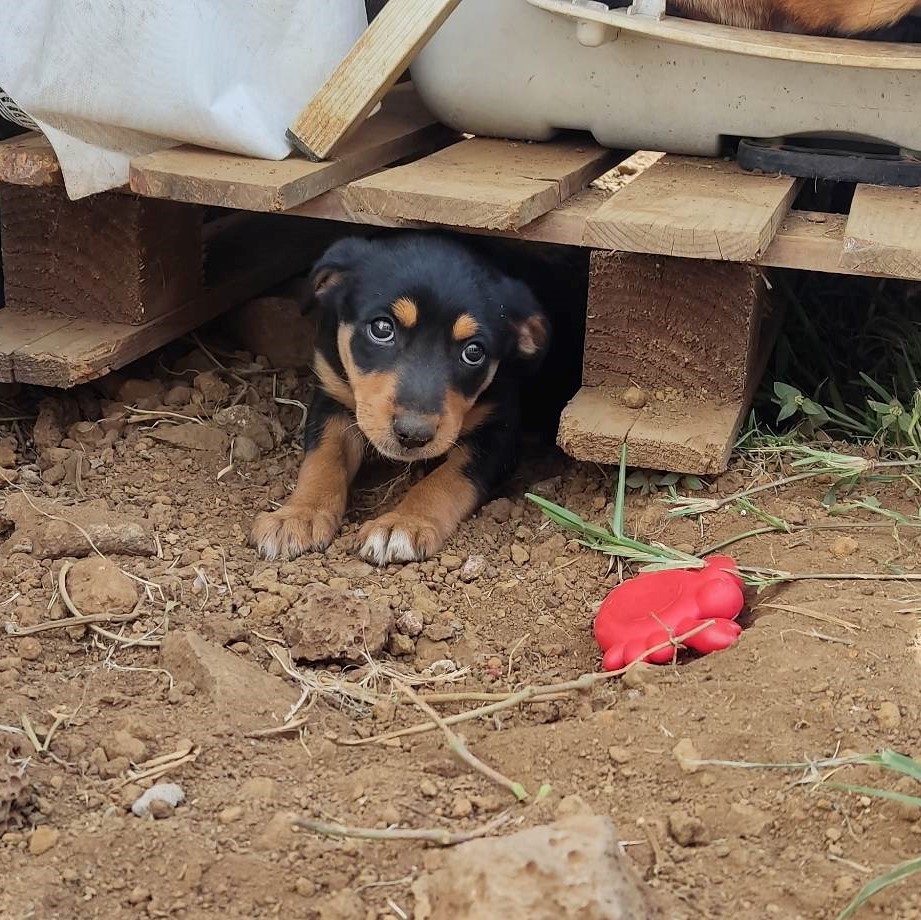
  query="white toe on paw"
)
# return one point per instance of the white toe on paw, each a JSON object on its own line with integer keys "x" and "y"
{"x": 381, "y": 547}
{"x": 374, "y": 549}
{"x": 400, "y": 547}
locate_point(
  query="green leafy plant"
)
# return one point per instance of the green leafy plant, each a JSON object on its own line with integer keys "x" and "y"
{"x": 649, "y": 482}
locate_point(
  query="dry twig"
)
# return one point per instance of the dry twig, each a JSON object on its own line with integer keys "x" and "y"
{"x": 461, "y": 751}
{"x": 443, "y": 838}
{"x": 533, "y": 693}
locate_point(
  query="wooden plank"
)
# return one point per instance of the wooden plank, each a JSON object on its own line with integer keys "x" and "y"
{"x": 19, "y": 330}
{"x": 883, "y": 234}
{"x": 109, "y": 257}
{"x": 29, "y": 159}
{"x": 56, "y": 351}
{"x": 368, "y": 71}
{"x": 699, "y": 209}
{"x": 484, "y": 183}
{"x": 684, "y": 435}
{"x": 402, "y": 128}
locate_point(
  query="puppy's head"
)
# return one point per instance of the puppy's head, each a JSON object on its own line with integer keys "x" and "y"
{"x": 422, "y": 328}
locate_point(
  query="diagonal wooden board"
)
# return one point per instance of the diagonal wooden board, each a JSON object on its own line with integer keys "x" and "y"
{"x": 374, "y": 64}
{"x": 695, "y": 208}
{"x": 483, "y": 183}
{"x": 883, "y": 233}
{"x": 402, "y": 128}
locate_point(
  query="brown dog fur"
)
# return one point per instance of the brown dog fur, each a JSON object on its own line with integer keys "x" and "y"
{"x": 846, "y": 17}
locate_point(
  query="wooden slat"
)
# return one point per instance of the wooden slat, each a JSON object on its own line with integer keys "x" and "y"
{"x": 883, "y": 234}
{"x": 484, "y": 183}
{"x": 19, "y": 330}
{"x": 402, "y": 128}
{"x": 699, "y": 209}
{"x": 368, "y": 71}
{"x": 29, "y": 159}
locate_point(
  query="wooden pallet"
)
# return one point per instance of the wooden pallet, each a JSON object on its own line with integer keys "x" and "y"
{"x": 683, "y": 218}
{"x": 91, "y": 285}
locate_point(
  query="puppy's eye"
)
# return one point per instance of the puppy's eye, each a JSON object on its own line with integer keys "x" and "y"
{"x": 381, "y": 330}
{"x": 473, "y": 354}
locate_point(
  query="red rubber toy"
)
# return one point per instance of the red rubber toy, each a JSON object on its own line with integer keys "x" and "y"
{"x": 655, "y": 606}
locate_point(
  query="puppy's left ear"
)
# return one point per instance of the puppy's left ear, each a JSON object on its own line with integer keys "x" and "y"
{"x": 528, "y": 322}
{"x": 332, "y": 273}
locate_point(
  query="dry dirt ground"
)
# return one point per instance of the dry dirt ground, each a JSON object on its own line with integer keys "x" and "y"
{"x": 508, "y": 603}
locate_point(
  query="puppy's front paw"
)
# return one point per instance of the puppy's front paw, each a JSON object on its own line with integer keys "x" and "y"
{"x": 399, "y": 537}
{"x": 292, "y": 531}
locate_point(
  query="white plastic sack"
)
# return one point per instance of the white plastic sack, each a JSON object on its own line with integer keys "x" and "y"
{"x": 108, "y": 80}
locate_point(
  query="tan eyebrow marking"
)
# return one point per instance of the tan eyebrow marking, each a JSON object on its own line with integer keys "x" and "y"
{"x": 465, "y": 326}
{"x": 405, "y": 312}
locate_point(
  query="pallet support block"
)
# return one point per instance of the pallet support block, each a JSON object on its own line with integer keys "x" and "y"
{"x": 244, "y": 258}
{"x": 108, "y": 257}
{"x": 690, "y": 335}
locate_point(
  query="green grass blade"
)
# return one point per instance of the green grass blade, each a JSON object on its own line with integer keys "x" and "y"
{"x": 900, "y": 797}
{"x": 876, "y": 885}
{"x": 568, "y": 519}
{"x": 892, "y": 760}
{"x": 617, "y": 520}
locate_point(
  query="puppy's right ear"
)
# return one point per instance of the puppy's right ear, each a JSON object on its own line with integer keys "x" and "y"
{"x": 330, "y": 276}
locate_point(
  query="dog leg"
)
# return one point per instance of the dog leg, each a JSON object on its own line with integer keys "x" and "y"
{"x": 431, "y": 511}
{"x": 310, "y": 519}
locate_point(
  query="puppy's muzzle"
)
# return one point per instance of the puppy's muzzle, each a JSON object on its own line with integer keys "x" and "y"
{"x": 413, "y": 430}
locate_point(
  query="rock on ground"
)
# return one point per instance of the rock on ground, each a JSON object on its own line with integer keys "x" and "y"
{"x": 98, "y": 586}
{"x": 112, "y": 532}
{"x": 168, "y": 793}
{"x": 256, "y": 323}
{"x": 330, "y": 625}
{"x": 570, "y": 869}
{"x": 241, "y": 692}
{"x": 193, "y": 436}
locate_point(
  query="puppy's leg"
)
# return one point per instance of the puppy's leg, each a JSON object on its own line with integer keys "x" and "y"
{"x": 432, "y": 509}
{"x": 310, "y": 519}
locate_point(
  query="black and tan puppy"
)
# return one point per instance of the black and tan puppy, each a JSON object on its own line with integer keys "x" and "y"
{"x": 419, "y": 354}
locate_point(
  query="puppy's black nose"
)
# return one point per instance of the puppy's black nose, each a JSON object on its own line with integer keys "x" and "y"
{"x": 413, "y": 430}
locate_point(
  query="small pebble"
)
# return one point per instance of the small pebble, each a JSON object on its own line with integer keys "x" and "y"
{"x": 888, "y": 715}
{"x": 686, "y": 755}
{"x": 520, "y": 554}
{"x": 230, "y": 814}
{"x": 42, "y": 839}
{"x": 461, "y": 807}
{"x": 686, "y": 830}
{"x": 160, "y": 809}
{"x": 305, "y": 888}
{"x": 619, "y": 755}
{"x": 169, "y": 793}
{"x": 138, "y": 895}
{"x": 844, "y": 546}
{"x": 29, "y": 648}
{"x": 473, "y": 568}
{"x": 634, "y": 398}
